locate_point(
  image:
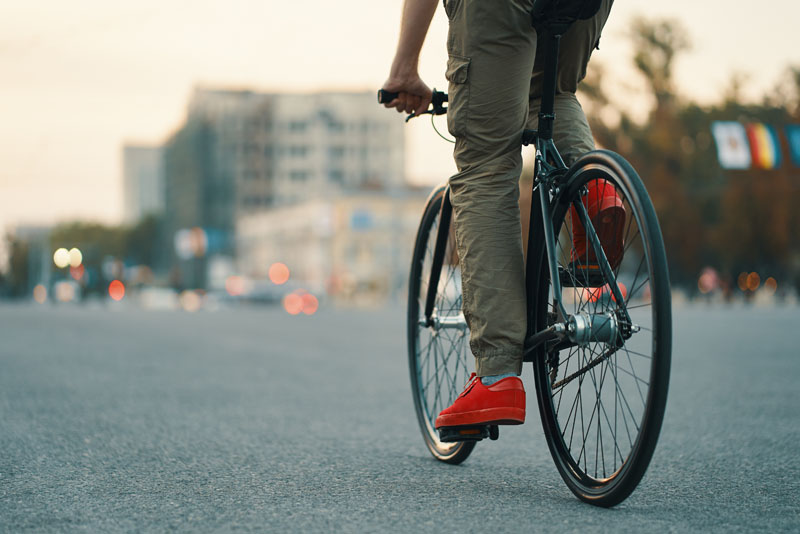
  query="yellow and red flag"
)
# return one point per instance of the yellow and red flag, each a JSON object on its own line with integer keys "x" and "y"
{"x": 765, "y": 147}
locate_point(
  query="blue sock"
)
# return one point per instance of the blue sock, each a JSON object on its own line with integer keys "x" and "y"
{"x": 489, "y": 380}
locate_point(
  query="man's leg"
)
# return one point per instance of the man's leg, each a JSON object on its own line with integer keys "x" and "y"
{"x": 571, "y": 133}
{"x": 491, "y": 47}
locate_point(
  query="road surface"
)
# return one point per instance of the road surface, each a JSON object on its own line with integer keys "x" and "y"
{"x": 119, "y": 419}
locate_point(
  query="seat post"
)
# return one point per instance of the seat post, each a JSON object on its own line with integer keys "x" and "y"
{"x": 547, "y": 112}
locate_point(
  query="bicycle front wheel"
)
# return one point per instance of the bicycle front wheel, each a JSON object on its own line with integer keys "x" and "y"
{"x": 602, "y": 402}
{"x": 439, "y": 358}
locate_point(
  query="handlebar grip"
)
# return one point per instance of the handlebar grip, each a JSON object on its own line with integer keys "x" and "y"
{"x": 384, "y": 97}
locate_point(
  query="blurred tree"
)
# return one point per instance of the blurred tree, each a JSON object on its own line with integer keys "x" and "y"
{"x": 141, "y": 241}
{"x": 95, "y": 240}
{"x": 657, "y": 42}
{"x": 733, "y": 220}
{"x": 786, "y": 94}
{"x": 663, "y": 149}
{"x": 18, "y": 258}
{"x": 754, "y": 230}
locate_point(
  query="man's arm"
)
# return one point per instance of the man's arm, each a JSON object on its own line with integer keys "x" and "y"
{"x": 404, "y": 77}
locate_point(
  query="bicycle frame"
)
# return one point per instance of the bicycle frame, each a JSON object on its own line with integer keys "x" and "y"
{"x": 549, "y": 168}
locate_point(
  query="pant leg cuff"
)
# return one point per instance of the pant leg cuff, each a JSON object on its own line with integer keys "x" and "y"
{"x": 499, "y": 362}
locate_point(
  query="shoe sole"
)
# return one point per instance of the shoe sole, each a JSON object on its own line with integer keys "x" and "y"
{"x": 609, "y": 230}
{"x": 487, "y": 416}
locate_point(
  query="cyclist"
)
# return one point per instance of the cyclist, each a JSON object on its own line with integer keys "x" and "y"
{"x": 495, "y": 84}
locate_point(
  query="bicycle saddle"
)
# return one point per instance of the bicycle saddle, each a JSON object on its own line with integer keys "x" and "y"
{"x": 558, "y": 15}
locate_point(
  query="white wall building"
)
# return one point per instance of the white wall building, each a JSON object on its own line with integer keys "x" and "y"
{"x": 354, "y": 247}
{"x": 243, "y": 154}
{"x": 303, "y": 145}
{"x": 330, "y": 142}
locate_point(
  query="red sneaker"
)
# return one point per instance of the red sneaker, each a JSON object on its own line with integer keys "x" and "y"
{"x": 502, "y": 403}
{"x": 608, "y": 218}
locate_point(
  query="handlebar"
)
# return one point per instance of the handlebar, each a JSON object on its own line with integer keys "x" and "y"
{"x": 437, "y": 102}
{"x": 384, "y": 96}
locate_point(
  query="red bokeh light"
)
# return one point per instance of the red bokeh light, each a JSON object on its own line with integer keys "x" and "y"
{"x": 310, "y": 304}
{"x": 76, "y": 272}
{"x": 753, "y": 281}
{"x": 116, "y": 290}
{"x": 278, "y": 273}
{"x": 594, "y": 294}
{"x": 300, "y": 301}
{"x": 234, "y": 285}
{"x": 293, "y": 303}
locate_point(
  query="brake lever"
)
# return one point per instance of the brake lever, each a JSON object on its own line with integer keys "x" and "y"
{"x": 437, "y": 106}
{"x": 412, "y": 114}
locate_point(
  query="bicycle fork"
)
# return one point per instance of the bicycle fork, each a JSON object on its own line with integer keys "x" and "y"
{"x": 432, "y": 318}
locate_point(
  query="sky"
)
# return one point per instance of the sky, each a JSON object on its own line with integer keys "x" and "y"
{"x": 79, "y": 79}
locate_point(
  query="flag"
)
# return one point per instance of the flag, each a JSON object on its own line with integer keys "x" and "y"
{"x": 732, "y": 147}
{"x": 793, "y": 136}
{"x": 765, "y": 148}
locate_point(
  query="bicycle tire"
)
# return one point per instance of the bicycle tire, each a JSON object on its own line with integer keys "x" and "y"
{"x": 439, "y": 360}
{"x": 604, "y": 373}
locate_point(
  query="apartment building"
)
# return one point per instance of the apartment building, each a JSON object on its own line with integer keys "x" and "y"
{"x": 244, "y": 152}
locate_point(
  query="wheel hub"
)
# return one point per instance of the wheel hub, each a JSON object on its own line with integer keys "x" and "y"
{"x": 583, "y": 328}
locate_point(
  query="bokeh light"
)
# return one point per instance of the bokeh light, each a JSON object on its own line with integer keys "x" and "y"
{"x": 191, "y": 243}
{"x": 40, "y": 294}
{"x": 770, "y": 285}
{"x": 278, "y": 273}
{"x": 61, "y": 258}
{"x": 753, "y": 281}
{"x": 310, "y": 304}
{"x": 300, "y": 301}
{"x": 116, "y": 290}
{"x": 741, "y": 281}
{"x": 77, "y": 272}
{"x": 293, "y": 303}
{"x": 199, "y": 241}
{"x": 708, "y": 281}
{"x": 75, "y": 257}
{"x": 595, "y": 294}
{"x": 234, "y": 285}
{"x": 191, "y": 301}
{"x": 64, "y": 291}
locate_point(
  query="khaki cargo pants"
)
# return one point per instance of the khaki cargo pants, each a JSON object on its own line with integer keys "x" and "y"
{"x": 495, "y": 85}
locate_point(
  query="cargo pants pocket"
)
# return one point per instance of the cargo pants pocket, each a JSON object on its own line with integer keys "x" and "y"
{"x": 450, "y": 7}
{"x": 457, "y": 75}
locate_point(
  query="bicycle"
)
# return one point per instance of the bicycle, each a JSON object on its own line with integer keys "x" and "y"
{"x": 599, "y": 339}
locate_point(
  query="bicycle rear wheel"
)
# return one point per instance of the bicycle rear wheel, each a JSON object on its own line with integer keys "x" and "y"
{"x": 602, "y": 403}
{"x": 439, "y": 358}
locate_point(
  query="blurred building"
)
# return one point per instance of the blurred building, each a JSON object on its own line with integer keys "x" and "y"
{"x": 143, "y": 181}
{"x": 38, "y": 265}
{"x": 241, "y": 153}
{"x": 355, "y": 247}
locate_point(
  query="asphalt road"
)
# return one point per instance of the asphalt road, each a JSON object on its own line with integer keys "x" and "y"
{"x": 115, "y": 419}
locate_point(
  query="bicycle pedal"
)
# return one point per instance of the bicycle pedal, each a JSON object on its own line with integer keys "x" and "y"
{"x": 452, "y": 434}
{"x": 581, "y": 275}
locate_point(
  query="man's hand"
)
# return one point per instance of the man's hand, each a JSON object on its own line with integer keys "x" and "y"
{"x": 414, "y": 96}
